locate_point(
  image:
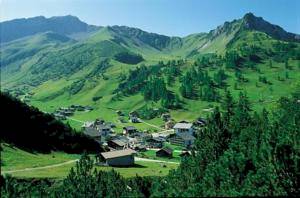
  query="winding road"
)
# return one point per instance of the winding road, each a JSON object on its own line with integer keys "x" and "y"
{"x": 73, "y": 161}
{"x": 41, "y": 167}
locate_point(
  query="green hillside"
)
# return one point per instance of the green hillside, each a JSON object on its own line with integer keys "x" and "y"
{"x": 51, "y": 71}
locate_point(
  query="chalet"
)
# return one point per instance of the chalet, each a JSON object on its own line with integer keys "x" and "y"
{"x": 99, "y": 121}
{"x": 166, "y": 117}
{"x": 129, "y": 130}
{"x": 140, "y": 137}
{"x": 134, "y": 119}
{"x": 104, "y": 130}
{"x": 185, "y": 154}
{"x": 119, "y": 157}
{"x": 116, "y": 144}
{"x": 140, "y": 148}
{"x": 183, "y": 128}
{"x": 165, "y": 152}
{"x": 120, "y": 113}
{"x": 111, "y": 125}
{"x": 182, "y": 139}
{"x": 155, "y": 142}
{"x": 93, "y": 133}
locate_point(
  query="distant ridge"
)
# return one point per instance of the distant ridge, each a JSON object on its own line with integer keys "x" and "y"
{"x": 64, "y": 25}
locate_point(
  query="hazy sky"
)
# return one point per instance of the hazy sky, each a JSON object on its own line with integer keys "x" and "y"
{"x": 170, "y": 17}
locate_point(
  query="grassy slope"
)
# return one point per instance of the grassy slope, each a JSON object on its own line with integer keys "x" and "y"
{"x": 30, "y": 160}
{"x": 105, "y": 108}
{"x": 141, "y": 169}
{"x": 24, "y": 159}
{"x": 53, "y": 94}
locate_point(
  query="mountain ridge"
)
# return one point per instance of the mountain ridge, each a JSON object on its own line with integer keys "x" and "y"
{"x": 18, "y": 28}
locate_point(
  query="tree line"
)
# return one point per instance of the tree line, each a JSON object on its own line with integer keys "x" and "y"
{"x": 30, "y": 129}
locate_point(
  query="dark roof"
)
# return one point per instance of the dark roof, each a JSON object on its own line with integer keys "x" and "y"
{"x": 183, "y": 121}
{"x": 156, "y": 139}
{"x": 119, "y": 153}
{"x": 167, "y": 150}
{"x": 185, "y": 153}
{"x": 129, "y": 128}
{"x": 122, "y": 138}
{"x": 110, "y": 124}
{"x": 91, "y": 132}
{"x": 186, "y": 136}
{"x": 101, "y": 127}
{"x": 118, "y": 142}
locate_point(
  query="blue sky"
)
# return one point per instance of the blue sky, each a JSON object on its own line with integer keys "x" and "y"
{"x": 170, "y": 17}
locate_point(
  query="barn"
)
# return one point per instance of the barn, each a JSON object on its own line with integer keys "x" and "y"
{"x": 165, "y": 152}
{"x": 119, "y": 157}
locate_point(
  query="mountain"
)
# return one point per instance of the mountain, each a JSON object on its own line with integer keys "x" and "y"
{"x": 89, "y": 68}
{"x": 64, "y": 25}
{"x": 251, "y": 22}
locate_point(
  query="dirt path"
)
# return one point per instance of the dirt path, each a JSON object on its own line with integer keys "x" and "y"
{"x": 73, "y": 161}
{"x": 40, "y": 168}
{"x": 154, "y": 149}
{"x": 152, "y": 160}
{"x": 75, "y": 120}
{"x": 150, "y": 124}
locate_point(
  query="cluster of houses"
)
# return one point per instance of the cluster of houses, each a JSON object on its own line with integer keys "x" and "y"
{"x": 63, "y": 112}
{"x": 122, "y": 147}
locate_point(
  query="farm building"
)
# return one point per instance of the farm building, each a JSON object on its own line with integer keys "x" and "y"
{"x": 185, "y": 153}
{"x": 99, "y": 121}
{"x": 104, "y": 130}
{"x": 93, "y": 133}
{"x": 155, "y": 142}
{"x": 183, "y": 128}
{"x": 119, "y": 157}
{"x": 182, "y": 139}
{"x": 129, "y": 130}
{"x": 134, "y": 119}
{"x": 166, "y": 117}
{"x": 164, "y": 152}
{"x": 118, "y": 144}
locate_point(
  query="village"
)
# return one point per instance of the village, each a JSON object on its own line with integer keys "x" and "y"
{"x": 121, "y": 149}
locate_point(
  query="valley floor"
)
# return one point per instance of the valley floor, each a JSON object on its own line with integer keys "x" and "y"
{"x": 58, "y": 165}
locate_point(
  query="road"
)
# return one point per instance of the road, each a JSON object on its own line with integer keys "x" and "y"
{"x": 41, "y": 167}
{"x": 75, "y": 120}
{"x": 73, "y": 161}
{"x": 150, "y": 124}
{"x": 154, "y": 149}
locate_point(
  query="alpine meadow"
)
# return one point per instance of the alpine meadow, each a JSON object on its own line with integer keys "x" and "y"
{"x": 116, "y": 111}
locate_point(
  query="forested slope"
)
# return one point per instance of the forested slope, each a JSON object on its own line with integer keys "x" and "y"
{"x": 30, "y": 129}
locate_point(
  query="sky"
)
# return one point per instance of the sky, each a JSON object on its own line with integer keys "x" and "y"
{"x": 169, "y": 17}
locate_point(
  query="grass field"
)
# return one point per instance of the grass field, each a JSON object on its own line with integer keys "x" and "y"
{"x": 13, "y": 158}
{"x": 260, "y": 95}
